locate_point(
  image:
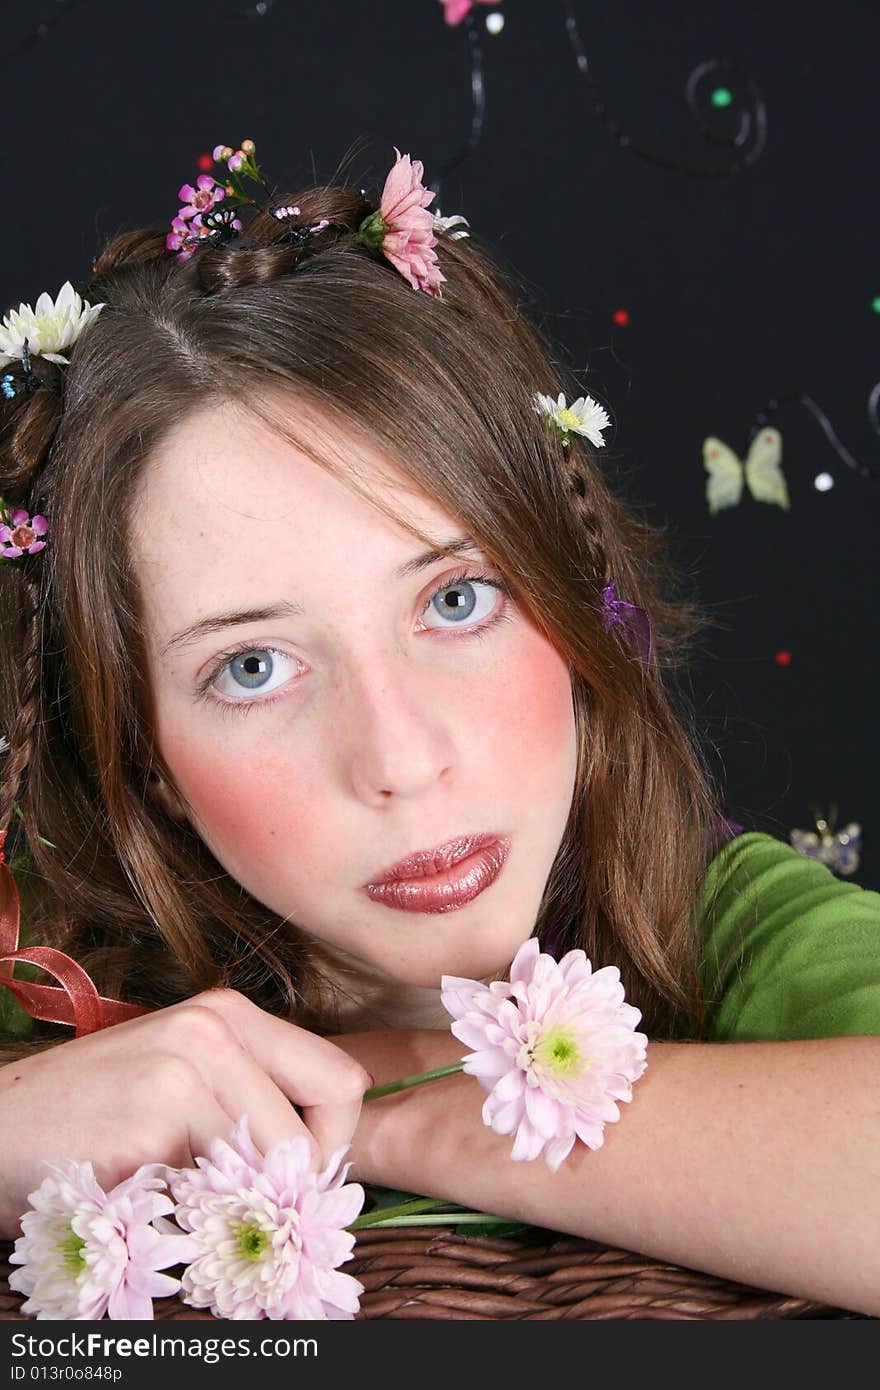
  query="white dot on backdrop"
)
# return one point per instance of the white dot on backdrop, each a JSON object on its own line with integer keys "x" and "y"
{"x": 822, "y": 482}
{"x": 495, "y": 22}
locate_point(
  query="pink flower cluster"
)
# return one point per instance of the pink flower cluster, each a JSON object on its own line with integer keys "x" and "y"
{"x": 188, "y": 226}
{"x": 22, "y": 536}
{"x": 261, "y": 1237}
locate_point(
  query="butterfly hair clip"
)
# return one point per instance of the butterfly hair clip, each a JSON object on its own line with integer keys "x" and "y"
{"x": 838, "y": 851}
{"x": 762, "y": 471}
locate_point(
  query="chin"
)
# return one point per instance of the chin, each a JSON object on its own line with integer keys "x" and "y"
{"x": 470, "y": 963}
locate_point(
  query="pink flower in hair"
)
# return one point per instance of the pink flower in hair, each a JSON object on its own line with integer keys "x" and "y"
{"x": 202, "y": 198}
{"x": 22, "y": 535}
{"x": 403, "y": 229}
{"x": 188, "y": 227}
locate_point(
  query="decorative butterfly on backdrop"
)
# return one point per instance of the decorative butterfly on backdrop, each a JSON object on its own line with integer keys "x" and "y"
{"x": 762, "y": 471}
{"x": 840, "y": 852}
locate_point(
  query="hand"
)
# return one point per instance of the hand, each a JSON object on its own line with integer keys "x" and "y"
{"x": 158, "y": 1089}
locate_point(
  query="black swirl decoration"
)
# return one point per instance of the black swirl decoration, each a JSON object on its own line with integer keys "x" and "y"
{"x": 716, "y": 92}
{"x": 478, "y": 105}
{"x": 477, "y": 85}
{"x": 775, "y": 404}
{"x": 39, "y": 33}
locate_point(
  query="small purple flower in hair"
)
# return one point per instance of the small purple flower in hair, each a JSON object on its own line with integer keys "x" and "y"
{"x": 21, "y": 536}
{"x": 634, "y": 619}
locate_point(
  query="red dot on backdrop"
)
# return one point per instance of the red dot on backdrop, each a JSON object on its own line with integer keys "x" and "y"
{"x": 783, "y": 658}
{"x": 205, "y": 162}
{"x": 621, "y": 316}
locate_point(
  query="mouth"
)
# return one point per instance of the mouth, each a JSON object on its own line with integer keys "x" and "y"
{"x": 443, "y": 879}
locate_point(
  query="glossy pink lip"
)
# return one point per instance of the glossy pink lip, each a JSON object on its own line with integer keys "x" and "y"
{"x": 433, "y": 861}
{"x": 449, "y": 890}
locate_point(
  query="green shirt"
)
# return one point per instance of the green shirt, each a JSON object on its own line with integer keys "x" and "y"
{"x": 798, "y": 948}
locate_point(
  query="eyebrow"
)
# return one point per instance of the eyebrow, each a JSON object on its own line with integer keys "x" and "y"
{"x": 288, "y": 608}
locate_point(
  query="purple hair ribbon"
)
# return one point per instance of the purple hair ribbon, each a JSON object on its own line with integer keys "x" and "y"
{"x": 634, "y": 619}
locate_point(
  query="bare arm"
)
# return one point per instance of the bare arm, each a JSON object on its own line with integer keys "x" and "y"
{"x": 758, "y": 1162}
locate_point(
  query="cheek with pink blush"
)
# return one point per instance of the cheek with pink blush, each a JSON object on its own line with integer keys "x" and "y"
{"x": 530, "y": 717}
{"x": 249, "y": 814}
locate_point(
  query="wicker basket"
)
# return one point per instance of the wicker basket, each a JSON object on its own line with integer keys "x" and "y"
{"x": 431, "y": 1272}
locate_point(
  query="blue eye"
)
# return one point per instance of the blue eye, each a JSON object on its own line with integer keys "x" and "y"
{"x": 456, "y": 599}
{"x": 250, "y": 670}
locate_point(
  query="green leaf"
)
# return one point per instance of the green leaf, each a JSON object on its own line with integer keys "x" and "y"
{"x": 15, "y": 1022}
{"x": 381, "y": 1197}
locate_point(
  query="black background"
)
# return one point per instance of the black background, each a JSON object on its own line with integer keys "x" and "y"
{"x": 751, "y": 284}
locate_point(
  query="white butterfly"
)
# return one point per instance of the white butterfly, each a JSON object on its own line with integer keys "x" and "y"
{"x": 762, "y": 471}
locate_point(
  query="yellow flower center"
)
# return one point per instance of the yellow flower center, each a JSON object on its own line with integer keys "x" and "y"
{"x": 69, "y": 1250}
{"x": 568, "y": 419}
{"x": 557, "y": 1051}
{"x": 252, "y": 1241}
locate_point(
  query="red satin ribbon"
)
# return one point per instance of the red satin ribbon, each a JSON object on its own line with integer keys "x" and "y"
{"x": 77, "y": 1002}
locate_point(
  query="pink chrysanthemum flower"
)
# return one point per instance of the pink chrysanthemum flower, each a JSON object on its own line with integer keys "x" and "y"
{"x": 22, "y": 535}
{"x": 403, "y": 228}
{"x": 269, "y": 1231}
{"x": 556, "y": 1047}
{"x": 86, "y": 1252}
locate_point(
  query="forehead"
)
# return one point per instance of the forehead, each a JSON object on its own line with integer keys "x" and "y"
{"x": 225, "y": 492}
{"x": 224, "y": 458}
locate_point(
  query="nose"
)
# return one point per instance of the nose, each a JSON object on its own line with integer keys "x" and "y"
{"x": 396, "y": 730}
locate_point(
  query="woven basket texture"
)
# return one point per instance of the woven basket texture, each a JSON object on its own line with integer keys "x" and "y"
{"x": 431, "y": 1272}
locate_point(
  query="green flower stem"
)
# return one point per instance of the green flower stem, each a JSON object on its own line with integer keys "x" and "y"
{"x": 407, "y": 1081}
{"x": 249, "y": 170}
{"x": 463, "y": 1218}
{"x": 405, "y": 1210}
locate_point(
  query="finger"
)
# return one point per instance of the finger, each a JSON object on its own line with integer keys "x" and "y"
{"x": 314, "y": 1073}
{"x": 240, "y": 1086}
{"x": 333, "y": 1125}
{"x": 208, "y": 1121}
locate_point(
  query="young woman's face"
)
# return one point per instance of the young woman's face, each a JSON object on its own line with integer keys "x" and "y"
{"x": 353, "y": 714}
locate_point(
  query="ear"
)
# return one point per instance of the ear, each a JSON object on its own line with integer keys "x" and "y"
{"x": 163, "y": 795}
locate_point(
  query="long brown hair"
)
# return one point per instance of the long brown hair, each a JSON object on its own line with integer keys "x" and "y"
{"x": 445, "y": 386}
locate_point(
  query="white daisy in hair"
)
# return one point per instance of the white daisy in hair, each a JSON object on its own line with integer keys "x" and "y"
{"x": 52, "y": 324}
{"x": 445, "y": 224}
{"x": 583, "y": 416}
